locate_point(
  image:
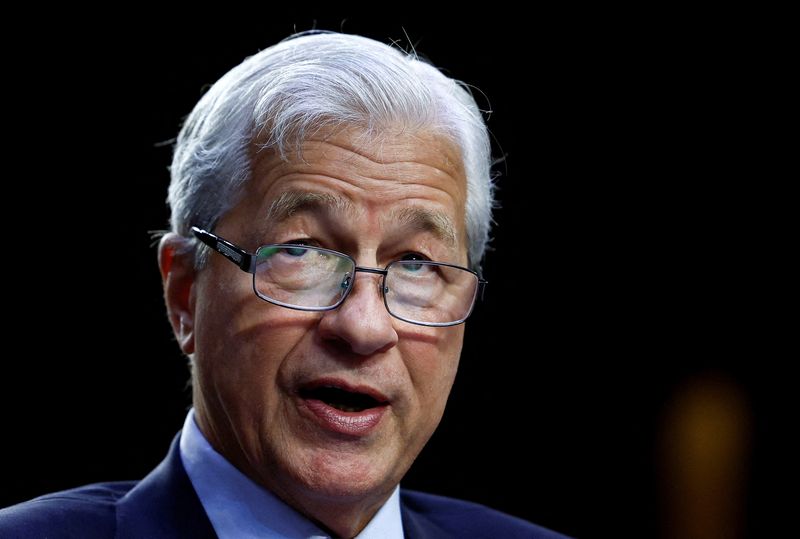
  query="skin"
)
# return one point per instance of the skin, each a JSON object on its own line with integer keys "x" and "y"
{"x": 250, "y": 356}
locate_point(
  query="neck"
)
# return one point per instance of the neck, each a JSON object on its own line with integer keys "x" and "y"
{"x": 341, "y": 514}
{"x": 344, "y": 519}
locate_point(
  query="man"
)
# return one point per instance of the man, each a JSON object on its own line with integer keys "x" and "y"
{"x": 331, "y": 202}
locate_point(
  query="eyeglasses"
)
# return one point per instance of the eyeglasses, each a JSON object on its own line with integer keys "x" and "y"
{"x": 310, "y": 278}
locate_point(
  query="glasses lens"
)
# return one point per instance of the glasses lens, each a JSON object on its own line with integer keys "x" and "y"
{"x": 301, "y": 276}
{"x": 429, "y": 292}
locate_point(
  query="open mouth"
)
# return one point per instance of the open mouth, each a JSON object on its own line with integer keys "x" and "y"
{"x": 342, "y": 399}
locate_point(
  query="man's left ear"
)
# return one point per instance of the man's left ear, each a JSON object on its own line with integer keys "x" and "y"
{"x": 178, "y": 276}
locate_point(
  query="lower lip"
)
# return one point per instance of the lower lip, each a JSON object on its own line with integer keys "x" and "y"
{"x": 349, "y": 423}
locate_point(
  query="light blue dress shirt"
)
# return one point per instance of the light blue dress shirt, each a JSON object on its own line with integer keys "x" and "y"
{"x": 238, "y": 508}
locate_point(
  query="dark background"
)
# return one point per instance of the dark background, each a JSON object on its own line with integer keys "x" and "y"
{"x": 620, "y": 266}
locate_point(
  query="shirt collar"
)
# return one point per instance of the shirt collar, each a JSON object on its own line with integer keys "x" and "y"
{"x": 239, "y": 508}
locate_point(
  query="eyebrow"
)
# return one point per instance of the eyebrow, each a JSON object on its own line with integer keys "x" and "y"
{"x": 291, "y": 202}
{"x": 416, "y": 218}
{"x": 423, "y": 219}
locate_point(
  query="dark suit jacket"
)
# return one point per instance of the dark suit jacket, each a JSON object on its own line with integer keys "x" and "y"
{"x": 164, "y": 505}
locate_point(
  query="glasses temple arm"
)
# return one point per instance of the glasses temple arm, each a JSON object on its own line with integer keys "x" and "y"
{"x": 232, "y": 252}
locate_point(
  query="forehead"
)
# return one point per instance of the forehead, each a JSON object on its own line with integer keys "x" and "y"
{"x": 391, "y": 171}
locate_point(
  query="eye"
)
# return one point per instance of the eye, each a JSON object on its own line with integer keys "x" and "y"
{"x": 295, "y": 251}
{"x": 413, "y": 256}
{"x": 299, "y": 250}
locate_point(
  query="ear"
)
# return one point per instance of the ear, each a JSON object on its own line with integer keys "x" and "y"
{"x": 178, "y": 276}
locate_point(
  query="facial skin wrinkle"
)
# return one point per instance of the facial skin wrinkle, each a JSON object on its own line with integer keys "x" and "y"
{"x": 399, "y": 176}
{"x": 375, "y": 159}
{"x": 416, "y": 218}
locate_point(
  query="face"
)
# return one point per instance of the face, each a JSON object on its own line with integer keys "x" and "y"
{"x": 260, "y": 369}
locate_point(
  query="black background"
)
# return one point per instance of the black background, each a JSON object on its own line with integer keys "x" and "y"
{"x": 618, "y": 268}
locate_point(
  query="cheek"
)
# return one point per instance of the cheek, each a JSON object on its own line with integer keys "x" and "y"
{"x": 242, "y": 341}
{"x": 432, "y": 366}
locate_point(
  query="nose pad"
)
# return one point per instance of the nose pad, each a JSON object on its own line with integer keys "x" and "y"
{"x": 348, "y": 280}
{"x": 346, "y": 283}
{"x": 362, "y": 325}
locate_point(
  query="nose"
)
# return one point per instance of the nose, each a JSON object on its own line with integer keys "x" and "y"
{"x": 362, "y": 322}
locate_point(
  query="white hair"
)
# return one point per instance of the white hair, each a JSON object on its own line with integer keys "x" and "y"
{"x": 312, "y": 81}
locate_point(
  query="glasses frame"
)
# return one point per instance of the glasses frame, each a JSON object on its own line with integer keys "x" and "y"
{"x": 246, "y": 261}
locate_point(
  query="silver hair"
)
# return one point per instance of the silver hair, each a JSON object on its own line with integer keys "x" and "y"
{"x": 313, "y": 81}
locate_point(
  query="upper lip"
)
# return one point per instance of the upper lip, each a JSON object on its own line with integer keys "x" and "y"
{"x": 346, "y": 386}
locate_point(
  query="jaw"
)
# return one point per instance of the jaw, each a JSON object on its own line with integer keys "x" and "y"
{"x": 340, "y": 485}
{"x": 334, "y": 463}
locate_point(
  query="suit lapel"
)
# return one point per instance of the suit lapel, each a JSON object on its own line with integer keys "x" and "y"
{"x": 418, "y": 526}
{"x": 163, "y": 505}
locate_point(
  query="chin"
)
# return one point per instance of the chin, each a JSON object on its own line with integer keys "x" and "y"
{"x": 344, "y": 475}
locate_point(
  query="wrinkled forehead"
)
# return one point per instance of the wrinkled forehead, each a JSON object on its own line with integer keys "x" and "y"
{"x": 415, "y": 176}
{"x": 389, "y": 148}
{"x": 412, "y": 217}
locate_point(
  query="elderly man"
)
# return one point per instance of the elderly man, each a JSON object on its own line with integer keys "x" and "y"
{"x": 331, "y": 202}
